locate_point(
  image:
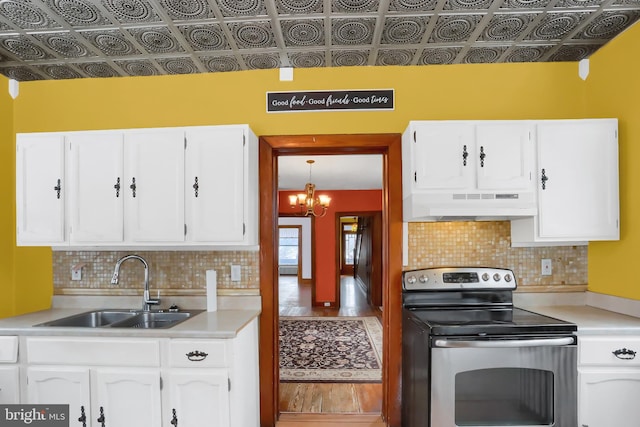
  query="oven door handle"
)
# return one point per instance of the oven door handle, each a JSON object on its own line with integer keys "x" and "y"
{"x": 536, "y": 342}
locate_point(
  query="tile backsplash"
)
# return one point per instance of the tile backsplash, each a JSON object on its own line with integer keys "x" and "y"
{"x": 488, "y": 244}
{"x": 180, "y": 272}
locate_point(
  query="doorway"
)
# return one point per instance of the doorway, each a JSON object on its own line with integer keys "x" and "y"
{"x": 388, "y": 145}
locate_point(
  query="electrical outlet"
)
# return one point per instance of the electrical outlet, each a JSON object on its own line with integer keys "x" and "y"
{"x": 236, "y": 273}
{"x": 546, "y": 267}
{"x": 76, "y": 273}
{"x": 327, "y": 304}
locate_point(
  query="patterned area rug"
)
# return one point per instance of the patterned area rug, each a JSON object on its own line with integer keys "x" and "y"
{"x": 332, "y": 349}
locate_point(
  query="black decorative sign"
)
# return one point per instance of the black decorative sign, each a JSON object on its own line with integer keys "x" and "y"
{"x": 334, "y": 100}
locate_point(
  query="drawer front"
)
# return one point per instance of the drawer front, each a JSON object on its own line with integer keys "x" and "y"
{"x": 93, "y": 351}
{"x": 611, "y": 351}
{"x": 198, "y": 353}
{"x": 8, "y": 349}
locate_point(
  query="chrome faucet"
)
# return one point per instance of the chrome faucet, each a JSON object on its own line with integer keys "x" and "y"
{"x": 147, "y": 302}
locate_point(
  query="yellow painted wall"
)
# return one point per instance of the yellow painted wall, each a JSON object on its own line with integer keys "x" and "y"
{"x": 7, "y": 190}
{"x": 613, "y": 89}
{"x": 495, "y": 91}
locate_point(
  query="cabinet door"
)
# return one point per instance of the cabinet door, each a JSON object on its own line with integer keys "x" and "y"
{"x": 97, "y": 187}
{"x": 215, "y": 193}
{"x": 608, "y": 397}
{"x": 154, "y": 203}
{"x": 578, "y": 161}
{"x": 443, "y": 156}
{"x": 197, "y": 395}
{"x": 127, "y": 397}
{"x": 60, "y": 385}
{"x": 40, "y": 189}
{"x": 504, "y": 156}
{"x": 9, "y": 385}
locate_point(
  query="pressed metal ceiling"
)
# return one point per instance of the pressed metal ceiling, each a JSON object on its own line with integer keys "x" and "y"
{"x": 66, "y": 39}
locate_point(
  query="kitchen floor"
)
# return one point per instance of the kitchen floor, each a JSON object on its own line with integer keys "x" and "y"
{"x": 327, "y": 398}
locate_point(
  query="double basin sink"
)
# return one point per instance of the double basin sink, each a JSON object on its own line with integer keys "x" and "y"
{"x": 124, "y": 319}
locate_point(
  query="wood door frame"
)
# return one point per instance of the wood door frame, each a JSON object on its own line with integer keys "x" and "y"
{"x": 389, "y": 146}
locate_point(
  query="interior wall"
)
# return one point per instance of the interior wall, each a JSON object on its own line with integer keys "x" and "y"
{"x": 469, "y": 91}
{"x": 305, "y": 241}
{"x": 613, "y": 90}
{"x": 7, "y": 188}
{"x": 325, "y": 248}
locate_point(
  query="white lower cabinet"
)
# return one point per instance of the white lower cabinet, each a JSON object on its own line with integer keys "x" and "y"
{"x": 609, "y": 381}
{"x": 196, "y": 397}
{"x": 9, "y": 385}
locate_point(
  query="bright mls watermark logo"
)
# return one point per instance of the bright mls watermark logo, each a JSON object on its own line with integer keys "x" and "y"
{"x": 34, "y": 415}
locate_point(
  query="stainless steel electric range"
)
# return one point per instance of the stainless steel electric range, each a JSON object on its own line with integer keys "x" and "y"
{"x": 470, "y": 358}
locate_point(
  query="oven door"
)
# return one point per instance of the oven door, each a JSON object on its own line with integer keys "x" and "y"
{"x": 506, "y": 381}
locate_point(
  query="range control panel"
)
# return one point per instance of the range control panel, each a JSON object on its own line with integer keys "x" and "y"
{"x": 455, "y": 278}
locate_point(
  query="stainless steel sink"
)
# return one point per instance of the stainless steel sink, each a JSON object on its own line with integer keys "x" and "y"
{"x": 123, "y": 319}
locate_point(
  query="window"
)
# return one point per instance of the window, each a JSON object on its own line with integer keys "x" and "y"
{"x": 289, "y": 242}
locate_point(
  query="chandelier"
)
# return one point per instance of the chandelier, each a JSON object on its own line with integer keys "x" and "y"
{"x": 307, "y": 202}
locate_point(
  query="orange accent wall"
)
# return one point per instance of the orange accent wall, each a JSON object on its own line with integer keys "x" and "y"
{"x": 325, "y": 257}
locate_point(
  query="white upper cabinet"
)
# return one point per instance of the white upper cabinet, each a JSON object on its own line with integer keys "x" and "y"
{"x": 40, "y": 189}
{"x": 577, "y": 184}
{"x": 97, "y": 193}
{"x": 154, "y": 180}
{"x": 467, "y": 169}
{"x": 220, "y": 185}
{"x": 138, "y": 187}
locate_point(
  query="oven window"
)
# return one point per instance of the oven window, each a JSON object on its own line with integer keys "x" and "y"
{"x": 504, "y": 397}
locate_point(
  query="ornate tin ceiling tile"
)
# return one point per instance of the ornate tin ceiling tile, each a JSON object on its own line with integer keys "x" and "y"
{"x": 111, "y": 43}
{"x": 349, "y": 58}
{"x": 205, "y": 37}
{"x": 525, "y": 4}
{"x": 77, "y": 13}
{"x": 608, "y": 25}
{"x": 183, "y": 10}
{"x": 439, "y": 56}
{"x": 178, "y": 66}
{"x": 555, "y": 26}
{"x": 220, "y": 63}
{"x": 573, "y": 52}
{"x": 21, "y": 74}
{"x": 128, "y": 11}
{"x": 483, "y": 55}
{"x": 64, "y": 44}
{"x": 235, "y": 8}
{"x": 404, "y": 30}
{"x": 352, "y": 31}
{"x": 253, "y": 35}
{"x": 468, "y": 4}
{"x": 527, "y": 53}
{"x": 506, "y": 27}
{"x": 138, "y": 68}
{"x": 156, "y": 40}
{"x": 395, "y": 57}
{"x": 354, "y": 6}
{"x": 262, "y": 61}
{"x": 296, "y": 7}
{"x": 26, "y": 15}
{"x": 412, "y": 5}
{"x": 97, "y": 69}
{"x": 307, "y": 59}
{"x": 23, "y": 48}
{"x": 59, "y": 72}
{"x": 454, "y": 28}
{"x": 303, "y": 33}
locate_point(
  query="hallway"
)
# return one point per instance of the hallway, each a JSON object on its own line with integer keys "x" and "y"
{"x": 327, "y": 398}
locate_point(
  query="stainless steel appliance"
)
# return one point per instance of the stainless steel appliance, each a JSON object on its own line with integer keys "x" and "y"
{"x": 470, "y": 358}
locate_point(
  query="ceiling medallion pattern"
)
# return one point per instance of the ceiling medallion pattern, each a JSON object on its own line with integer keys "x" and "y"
{"x": 303, "y": 33}
{"x": 307, "y": 59}
{"x": 346, "y": 58}
{"x": 62, "y": 39}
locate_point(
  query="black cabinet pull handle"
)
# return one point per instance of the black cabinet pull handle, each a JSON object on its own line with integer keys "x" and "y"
{"x": 83, "y": 417}
{"x": 117, "y": 187}
{"x": 544, "y": 179}
{"x": 196, "y": 356}
{"x": 196, "y": 187}
{"x": 101, "y": 417}
{"x": 133, "y": 186}
{"x": 57, "y": 189}
{"x": 174, "y": 420}
{"x": 624, "y": 354}
{"x": 465, "y": 154}
{"x": 482, "y": 156}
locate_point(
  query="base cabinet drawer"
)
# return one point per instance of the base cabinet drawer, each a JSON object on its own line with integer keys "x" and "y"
{"x": 187, "y": 353}
{"x": 620, "y": 351}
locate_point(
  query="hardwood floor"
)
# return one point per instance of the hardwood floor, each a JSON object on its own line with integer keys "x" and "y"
{"x": 327, "y": 398}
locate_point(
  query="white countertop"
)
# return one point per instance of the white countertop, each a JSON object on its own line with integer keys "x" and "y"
{"x": 590, "y": 320}
{"x": 214, "y": 324}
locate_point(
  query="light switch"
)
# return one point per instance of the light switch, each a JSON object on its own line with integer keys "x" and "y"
{"x": 235, "y": 273}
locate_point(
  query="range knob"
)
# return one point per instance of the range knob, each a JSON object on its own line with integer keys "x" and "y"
{"x": 485, "y": 277}
{"x": 507, "y": 277}
{"x": 423, "y": 279}
{"x": 496, "y": 277}
{"x": 411, "y": 280}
